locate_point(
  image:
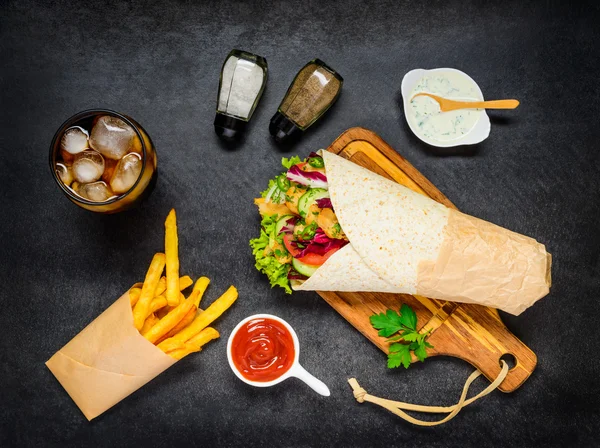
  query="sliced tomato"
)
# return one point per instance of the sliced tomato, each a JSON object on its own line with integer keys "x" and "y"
{"x": 316, "y": 259}
{"x": 287, "y": 242}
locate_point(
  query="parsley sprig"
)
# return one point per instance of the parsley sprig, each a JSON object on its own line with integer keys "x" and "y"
{"x": 405, "y": 324}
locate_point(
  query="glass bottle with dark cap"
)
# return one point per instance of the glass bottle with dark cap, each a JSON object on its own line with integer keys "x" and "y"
{"x": 243, "y": 79}
{"x": 314, "y": 89}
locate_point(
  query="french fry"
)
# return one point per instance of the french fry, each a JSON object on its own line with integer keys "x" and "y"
{"x": 169, "y": 321}
{"x": 171, "y": 251}
{"x": 142, "y": 308}
{"x": 187, "y": 319}
{"x": 158, "y": 303}
{"x": 184, "y": 351}
{"x": 199, "y": 289}
{"x": 203, "y": 320}
{"x": 196, "y": 295}
{"x": 167, "y": 309}
{"x": 195, "y": 344}
{"x": 206, "y": 335}
{"x": 161, "y": 287}
{"x": 150, "y": 322}
{"x": 134, "y": 295}
{"x": 184, "y": 282}
{"x": 163, "y": 311}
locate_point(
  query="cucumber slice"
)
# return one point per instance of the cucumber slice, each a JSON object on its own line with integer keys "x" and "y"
{"x": 303, "y": 268}
{"x": 281, "y": 222}
{"x": 309, "y": 198}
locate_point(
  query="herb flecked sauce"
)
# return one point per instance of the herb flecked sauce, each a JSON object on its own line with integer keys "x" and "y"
{"x": 424, "y": 112}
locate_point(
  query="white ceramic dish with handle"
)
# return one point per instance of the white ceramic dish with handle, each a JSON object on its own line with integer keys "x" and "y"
{"x": 479, "y": 132}
{"x": 296, "y": 370}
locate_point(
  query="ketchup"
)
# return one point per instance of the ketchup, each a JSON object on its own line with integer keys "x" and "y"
{"x": 262, "y": 350}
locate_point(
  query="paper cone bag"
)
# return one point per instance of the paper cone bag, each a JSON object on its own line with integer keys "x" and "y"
{"x": 405, "y": 242}
{"x": 108, "y": 360}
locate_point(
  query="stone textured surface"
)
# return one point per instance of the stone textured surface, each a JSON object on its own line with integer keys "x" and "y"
{"x": 159, "y": 61}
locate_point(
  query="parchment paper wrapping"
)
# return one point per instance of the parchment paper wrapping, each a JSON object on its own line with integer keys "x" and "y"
{"x": 480, "y": 262}
{"x": 107, "y": 361}
{"x": 404, "y": 242}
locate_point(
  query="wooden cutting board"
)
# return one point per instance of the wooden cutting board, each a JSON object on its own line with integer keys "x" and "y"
{"x": 470, "y": 332}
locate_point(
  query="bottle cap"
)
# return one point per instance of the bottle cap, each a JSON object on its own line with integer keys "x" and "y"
{"x": 229, "y": 128}
{"x": 283, "y": 129}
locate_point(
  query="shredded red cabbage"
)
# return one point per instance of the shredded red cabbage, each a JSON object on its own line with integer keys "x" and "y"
{"x": 312, "y": 155}
{"x": 313, "y": 179}
{"x": 324, "y": 203}
{"x": 289, "y": 226}
{"x": 321, "y": 244}
{"x": 321, "y": 237}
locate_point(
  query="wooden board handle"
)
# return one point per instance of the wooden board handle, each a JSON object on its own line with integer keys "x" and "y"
{"x": 477, "y": 335}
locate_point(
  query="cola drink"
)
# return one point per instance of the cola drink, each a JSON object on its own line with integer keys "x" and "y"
{"x": 103, "y": 161}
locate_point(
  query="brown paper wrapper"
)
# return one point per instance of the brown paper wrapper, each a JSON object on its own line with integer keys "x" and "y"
{"x": 107, "y": 361}
{"x": 480, "y": 260}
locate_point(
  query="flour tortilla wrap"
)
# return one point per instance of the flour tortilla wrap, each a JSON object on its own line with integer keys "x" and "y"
{"x": 107, "y": 361}
{"x": 404, "y": 242}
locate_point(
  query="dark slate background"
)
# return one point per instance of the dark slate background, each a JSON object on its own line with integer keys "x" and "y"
{"x": 538, "y": 173}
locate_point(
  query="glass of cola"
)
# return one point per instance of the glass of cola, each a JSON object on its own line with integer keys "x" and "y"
{"x": 103, "y": 161}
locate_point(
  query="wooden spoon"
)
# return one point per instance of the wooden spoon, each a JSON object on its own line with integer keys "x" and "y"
{"x": 447, "y": 105}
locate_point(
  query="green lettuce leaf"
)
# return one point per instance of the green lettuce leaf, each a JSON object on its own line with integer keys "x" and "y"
{"x": 288, "y": 163}
{"x": 267, "y": 264}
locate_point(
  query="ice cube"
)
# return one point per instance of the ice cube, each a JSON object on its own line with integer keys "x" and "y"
{"x": 95, "y": 191}
{"x": 88, "y": 166}
{"x": 74, "y": 140}
{"x": 112, "y": 137}
{"x": 64, "y": 173}
{"x": 126, "y": 173}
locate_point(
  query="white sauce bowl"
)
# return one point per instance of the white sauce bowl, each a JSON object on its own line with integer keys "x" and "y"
{"x": 479, "y": 132}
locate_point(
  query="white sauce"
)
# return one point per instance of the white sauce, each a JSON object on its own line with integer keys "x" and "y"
{"x": 424, "y": 112}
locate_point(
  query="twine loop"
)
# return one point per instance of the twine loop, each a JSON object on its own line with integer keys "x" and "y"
{"x": 398, "y": 407}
